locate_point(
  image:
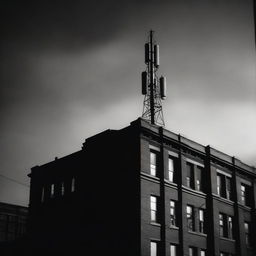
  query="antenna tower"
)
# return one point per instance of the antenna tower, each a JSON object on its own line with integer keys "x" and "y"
{"x": 153, "y": 87}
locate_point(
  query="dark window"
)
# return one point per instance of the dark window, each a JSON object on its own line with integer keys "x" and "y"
{"x": 201, "y": 221}
{"x": 226, "y": 226}
{"x": 190, "y": 218}
{"x": 228, "y": 188}
{"x": 73, "y": 185}
{"x": 199, "y": 173}
{"x": 42, "y": 195}
{"x": 62, "y": 188}
{"x": 247, "y": 233}
{"x": 192, "y": 251}
{"x": 190, "y": 175}
{"x": 224, "y": 188}
{"x": 230, "y": 227}
{"x": 245, "y": 195}
{"x": 154, "y": 163}
{"x": 221, "y": 224}
{"x": 220, "y": 185}
{"x": 173, "y": 213}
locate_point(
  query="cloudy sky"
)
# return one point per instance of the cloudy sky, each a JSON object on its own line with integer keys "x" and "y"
{"x": 71, "y": 69}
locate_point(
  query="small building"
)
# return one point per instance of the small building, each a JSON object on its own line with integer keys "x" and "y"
{"x": 13, "y": 221}
{"x": 146, "y": 191}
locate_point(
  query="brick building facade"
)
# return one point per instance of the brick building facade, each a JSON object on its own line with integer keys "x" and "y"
{"x": 146, "y": 191}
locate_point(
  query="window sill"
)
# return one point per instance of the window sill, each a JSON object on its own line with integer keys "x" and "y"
{"x": 174, "y": 227}
{"x": 155, "y": 224}
{"x": 197, "y": 233}
{"x": 227, "y": 239}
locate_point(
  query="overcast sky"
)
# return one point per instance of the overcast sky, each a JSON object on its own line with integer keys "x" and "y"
{"x": 72, "y": 69}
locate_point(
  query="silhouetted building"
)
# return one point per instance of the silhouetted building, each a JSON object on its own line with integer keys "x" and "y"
{"x": 13, "y": 221}
{"x": 144, "y": 191}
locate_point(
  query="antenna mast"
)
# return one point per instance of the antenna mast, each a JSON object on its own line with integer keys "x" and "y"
{"x": 153, "y": 88}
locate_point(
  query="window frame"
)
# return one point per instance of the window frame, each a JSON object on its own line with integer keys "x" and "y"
{"x": 154, "y": 209}
{"x": 190, "y": 218}
{"x": 173, "y": 218}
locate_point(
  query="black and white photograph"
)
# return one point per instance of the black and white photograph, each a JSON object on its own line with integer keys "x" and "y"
{"x": 128, "y": 128}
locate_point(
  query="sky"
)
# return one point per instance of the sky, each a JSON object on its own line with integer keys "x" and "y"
{"x": 71, "y": 69}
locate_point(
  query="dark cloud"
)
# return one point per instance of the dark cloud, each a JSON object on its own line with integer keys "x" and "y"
{"x": 69, "y": 69}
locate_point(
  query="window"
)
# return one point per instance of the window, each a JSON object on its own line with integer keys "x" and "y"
{"x": 220, "y": 185}
{"x": 228, "y": 188}
{"x": 192, "y": 251}
{"x": 154, "y": 163}
{"x": 154, "y": 208}
{"x": 190, "y": 175}
{"x": 173, "y": 250}
{"x": 201, "y": 221}
{"x": 224, "y": 188}
{"x": 221, "y": 224}
{"x": 226, "y": 226}
{"x": 245, "y": 195}
{"x": 52, "y": 191}
{"x": 190, "y": 218}
{"x": 225, "y": 254}
{"x": 154, "y": 250}
{"x": 62, "y": 188}
{"x": 173, "y": 213}
{"x": 73, "y": 185}
{"x": 202, "y": 252}
{"x": 42, "y": 195}
{"x": 199, "y": 173}
{"x": 230, "y": 227}
{"x": 247, "y": 234}
{"x": 171, "y": 168}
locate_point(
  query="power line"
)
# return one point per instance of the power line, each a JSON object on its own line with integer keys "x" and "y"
{"x": 13, "y": 180}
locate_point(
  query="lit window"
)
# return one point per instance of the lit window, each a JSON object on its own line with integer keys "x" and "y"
{"x": 171, "y": 169}
{"x": 154, "y": 208}
{"x": 201, "y": 220}
{"x": 154, "y": 162}
{"x": 202, "y": 252}
{"x": 52, "y": 191}
{"x": 173, "y": 250}
{"x": 190, "y": 175}
{"x": 62, "y": 188}
{"x": 190, "y": 218}
{"x": 154, "y": 251}
{"x": 226, "y": 226}
{"x": 73, "y": 185}
{"x": 172, "y": 213}
{"x": 247, "y": 233}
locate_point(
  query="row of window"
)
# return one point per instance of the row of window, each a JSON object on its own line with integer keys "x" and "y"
{"x": 195, "y": 178}
{"x": 225, "y": 221}
{"x": 192, "y": 251}
{"x": 194, "y": 171}
{"x": 56, "y": 192}
{"x": 190, "y": 211}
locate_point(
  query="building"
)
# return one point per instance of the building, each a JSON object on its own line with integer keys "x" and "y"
{"x": 13, "y": 221}
{"x": 144, "y": 191}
